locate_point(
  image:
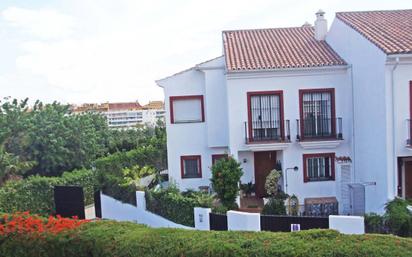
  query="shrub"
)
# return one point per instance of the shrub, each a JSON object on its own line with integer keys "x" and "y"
{"x": 226, "y": 174}
{"x": 35, "y": 194}
{"x": 108, "y": 238}
{"x": 110, "y": 170}
{"x": 24, "y": 223}
{"x": 248, "y": 188}
{"x": 398, "y": 217}
{"x": 271, "y": 183}
{"x": 274, "y": 206}
{"x": 176, "y": 206}
{"x": 375, "y": 223}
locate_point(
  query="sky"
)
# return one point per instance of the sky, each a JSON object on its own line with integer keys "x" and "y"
{"x": 83, "y": 51}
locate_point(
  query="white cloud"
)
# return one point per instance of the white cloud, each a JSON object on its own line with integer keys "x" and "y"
{"x": 101, "y": 50}
{"x": 43, "y": 23}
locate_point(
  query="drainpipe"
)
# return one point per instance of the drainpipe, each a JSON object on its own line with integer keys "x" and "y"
{"x": 393, "y": 124}
{"x": 353, "y": 125}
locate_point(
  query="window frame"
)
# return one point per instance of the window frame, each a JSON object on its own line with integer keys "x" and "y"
{"x": 318, "y": 155}
{"x": 186, "y": 97}
{"x": 216, "y": 157}
{"x": 183, "y": 158}
{"x": 278, "y": 93}
{"x": 332, "y": 111}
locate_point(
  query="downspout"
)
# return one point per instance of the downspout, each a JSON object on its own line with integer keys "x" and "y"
{"x": 353, "y": 125}
{"x": 393, "y": 126}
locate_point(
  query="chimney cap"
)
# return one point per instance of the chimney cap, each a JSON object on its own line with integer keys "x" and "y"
{"x": 320, "y": 13}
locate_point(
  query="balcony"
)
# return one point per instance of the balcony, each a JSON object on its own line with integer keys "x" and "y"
{"x": 267, "y": 135}
{"x": 319, "y": 133}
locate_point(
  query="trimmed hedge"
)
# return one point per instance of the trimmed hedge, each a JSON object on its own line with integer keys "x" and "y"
{"x": 109, "y": 171}
{"x": 177, "y": 206}
{"x": 121, "y": 239}
{"x": 35, "y": 193}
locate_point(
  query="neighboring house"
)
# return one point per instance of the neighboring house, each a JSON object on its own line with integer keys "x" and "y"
{"x": 301, "y": 97}
{"x": 127, "y": 114}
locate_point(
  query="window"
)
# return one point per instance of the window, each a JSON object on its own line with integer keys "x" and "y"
{"x": 317, "y": 113}
{"x": 186, "y": 109}
{"x": 265, "y": 111}
{"x": 319, "y": 167}
{"x": 216, "y": 157}
{"x": 191, "y": 166}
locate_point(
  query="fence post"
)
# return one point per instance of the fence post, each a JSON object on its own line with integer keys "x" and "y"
{"x": 140, "y": 200}
{"x": 347, "y": 224}
{"x": 243, "y": 221}
{"x": 202, "y": 219}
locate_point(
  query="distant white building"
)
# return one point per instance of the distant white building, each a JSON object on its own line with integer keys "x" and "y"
{"x": 127, "y": 114}
{"x": 332, "y": 103}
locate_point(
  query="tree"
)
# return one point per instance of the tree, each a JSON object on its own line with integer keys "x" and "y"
{"x": 11, "y": 166}
{"x": 50, "y": 136}
{"x": 226, "y": 174}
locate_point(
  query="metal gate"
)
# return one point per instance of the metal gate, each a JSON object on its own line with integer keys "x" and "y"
{"x": 218, "y": 221}
{"x": 346, "y": 179}
{"x": 357, "y": 196}
{"x": 277, "y": 223}
{"x": 69, "y": 201}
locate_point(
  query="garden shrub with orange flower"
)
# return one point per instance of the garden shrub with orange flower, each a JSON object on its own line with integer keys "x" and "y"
{"x": 24, "y": 223}
{"x": 60, "y": 237}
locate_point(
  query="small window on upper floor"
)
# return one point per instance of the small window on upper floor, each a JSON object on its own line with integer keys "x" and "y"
{"x": 187, "y": 109}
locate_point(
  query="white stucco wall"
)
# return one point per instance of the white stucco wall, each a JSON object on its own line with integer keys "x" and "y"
{"x": 372, "y": 159}
{"x": 290, "y": 83}
{"x": 205, "y": 138}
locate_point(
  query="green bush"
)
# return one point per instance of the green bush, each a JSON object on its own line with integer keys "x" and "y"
{"x": 226, "y": 174}
{"x": 398, "y": 217}
{"x": 274, "y": 206}
{"x": 271, "y": 183}
{"x": 35, "y": 194}
{"x": 176, "y": 206}
{"x": 123, "y": 239}
{"x": 110, "y": 169}
{"x": 375, "y": 223}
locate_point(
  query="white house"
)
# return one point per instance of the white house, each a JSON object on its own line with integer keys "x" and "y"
{"x": 331, "y": 103}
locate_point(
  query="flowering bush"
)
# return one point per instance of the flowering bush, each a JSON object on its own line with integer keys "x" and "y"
{"x": 24, "y": 223}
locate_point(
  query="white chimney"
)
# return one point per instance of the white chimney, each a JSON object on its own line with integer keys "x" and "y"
{"x": 321, "y": 25}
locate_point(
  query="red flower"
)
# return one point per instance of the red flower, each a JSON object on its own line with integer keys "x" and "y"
{"x": 34, "y": 225}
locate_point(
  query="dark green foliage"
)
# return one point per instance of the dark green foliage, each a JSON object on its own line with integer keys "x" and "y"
{"x": 50, "y": 137}
{"x": 396, "y": 220}
{"x": 226, "y": 174}
{"x": 375, "y": 223}
{"x": 123, "y": 239}
{"x": 398, "y": 217}
{"x": 176, "y": 206}
{"x": 35, "y": 193}
{"x": 274, "y": 206}
{"x": 248, "y": 188}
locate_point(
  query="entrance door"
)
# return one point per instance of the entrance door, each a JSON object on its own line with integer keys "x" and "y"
{"x": 264, "y": 163}
{"x": 345, "y": 192}
{"x": 408, "y": 180}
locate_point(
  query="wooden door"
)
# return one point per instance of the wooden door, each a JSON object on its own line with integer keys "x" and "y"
{"x": 408, "y": 180}
{"x": 264, "y": 163}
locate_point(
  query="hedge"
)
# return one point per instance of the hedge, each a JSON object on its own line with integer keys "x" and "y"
{"x": 176, "y": 206}
{"x": 121, "y": 239}
{"x": 35, "y": 193}
{"x": 109, "y": 171}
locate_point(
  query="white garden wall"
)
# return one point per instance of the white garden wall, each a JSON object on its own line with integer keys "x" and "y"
{"x": 116, "y": 210}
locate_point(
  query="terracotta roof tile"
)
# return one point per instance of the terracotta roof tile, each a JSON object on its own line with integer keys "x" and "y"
{"x": 124, "y": 106}
{"x": 391, "y": 31}
{"x": 277, "y": 48}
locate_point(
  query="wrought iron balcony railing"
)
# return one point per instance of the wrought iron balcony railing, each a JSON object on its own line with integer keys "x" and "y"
{"x": 267, "y": 131}
{"x": 319, "y": 128}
